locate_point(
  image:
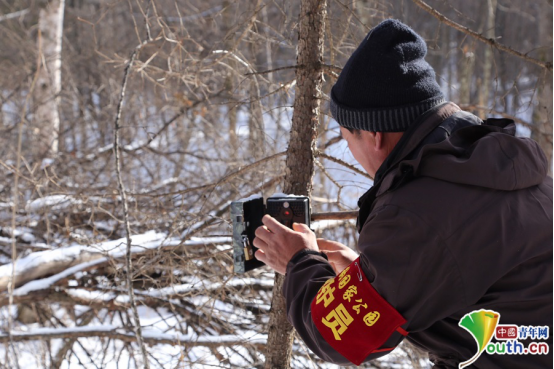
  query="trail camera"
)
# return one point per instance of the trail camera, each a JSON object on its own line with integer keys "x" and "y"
{"x": 246, "y": 216}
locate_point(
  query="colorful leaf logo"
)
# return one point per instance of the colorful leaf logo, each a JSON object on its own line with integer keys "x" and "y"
{"x": 481, "y": 324}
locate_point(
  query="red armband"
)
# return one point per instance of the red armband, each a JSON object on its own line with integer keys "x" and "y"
{"x": 352, "y": 317}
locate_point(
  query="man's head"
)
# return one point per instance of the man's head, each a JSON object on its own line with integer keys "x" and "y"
{"x": 370, "y": 149}
{"x": 385, "y": 86}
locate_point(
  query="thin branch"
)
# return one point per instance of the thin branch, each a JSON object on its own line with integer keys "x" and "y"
{"x": 152, "y": 137}
{"x": 332, "y": 141}
{"x": 224, "y": 208}
{"x": 146, "y": 144}
{"x": 221, "y": 181}
{"x": 89, "y": 259}
{"x": 324, "y": 171}
{"x": 11, "y": 281}
{"x": 62, "y": 352}
{"x": 343, "y": 163}
{"x": 480, "y": 37}
{"x": 14, "y": 14}
{"x": 272, "y": 70}
{"x": 123, "y": 335}
{"x": 331, "y": 69}
{"x": 239, "y": 39}
{"x": 128, "y": 260}
{"x": 111, "y": 298}
{"x": 337, "y": 215}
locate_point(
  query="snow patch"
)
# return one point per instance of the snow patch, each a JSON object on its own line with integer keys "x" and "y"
{"x": 249, "y": 198}
{"x": 105, "y": 250}
{"x": 55, "y": 201}
{"x": 280, "y": 194}
{"x": 321, "y": 225}
{"x": 6, "y": 205}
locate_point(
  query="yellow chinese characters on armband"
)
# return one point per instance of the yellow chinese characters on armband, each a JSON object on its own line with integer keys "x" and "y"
{"x": 352, "y": 317}
{"x": 371, "y": 318}
{"x": 325, "y": 293}
{"x": 349, "y": 293}
{"x": 338, "y": 320}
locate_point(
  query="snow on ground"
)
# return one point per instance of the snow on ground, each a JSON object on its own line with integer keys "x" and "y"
{"x": 160, "y": 324}
{"x": 55, "y": 201}
{"x": 109, "y": 249}
{"x": 6, "y": 205}
{"x": 141, "y": 242}
{"x": 21, "y": 233}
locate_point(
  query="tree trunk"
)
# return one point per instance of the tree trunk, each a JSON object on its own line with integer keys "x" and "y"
{"x": 542, "y": 120}
{"x": 542, "y": 113}
{"x": 484, "y": 91}
{"x": 466, "y": 68}
{"x": 228, "y": 21}
{"x": 300, "y": 156}
{"x": 49, "y": 81}
{"x": 256, "y": 137}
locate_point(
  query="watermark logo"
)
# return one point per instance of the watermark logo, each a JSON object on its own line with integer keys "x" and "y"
{"x": 483, "y": 326}
{"x": 506, "y": 332}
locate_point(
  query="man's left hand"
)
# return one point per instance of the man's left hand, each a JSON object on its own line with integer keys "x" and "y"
{"x": 277, "y": 243}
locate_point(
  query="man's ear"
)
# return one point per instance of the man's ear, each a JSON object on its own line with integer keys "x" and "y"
{"x": 378, "y": 137}
{"x": 375, "y": 139}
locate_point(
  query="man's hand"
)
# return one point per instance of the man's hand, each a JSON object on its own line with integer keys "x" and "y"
{"x": 339, "y": 255}
{"x": 277, "y": 244}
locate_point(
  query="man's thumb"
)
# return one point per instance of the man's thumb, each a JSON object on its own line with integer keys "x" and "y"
{"x": 300, "y": 227}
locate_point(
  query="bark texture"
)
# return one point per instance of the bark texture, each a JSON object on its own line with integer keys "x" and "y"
{"x": 484, "y": 91}
{"x": 300, "y": 156}
{"x": 49, "y": 81}
{"x": 542, "y": 112}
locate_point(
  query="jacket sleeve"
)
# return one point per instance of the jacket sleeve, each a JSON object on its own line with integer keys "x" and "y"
{"x": 305, "y": 276}
{"x": 405, "y": 261}
{"x": 411, "y": 266}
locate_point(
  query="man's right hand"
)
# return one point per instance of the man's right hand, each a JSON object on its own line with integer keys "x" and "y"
{"x": 339, "y": 255}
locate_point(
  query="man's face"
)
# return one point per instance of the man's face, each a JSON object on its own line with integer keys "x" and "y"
{"x": 362, "y": 146}
{"x": 370, "y": 149}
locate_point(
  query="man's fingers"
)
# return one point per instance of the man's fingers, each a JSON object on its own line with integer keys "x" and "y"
{"x": 324, "y": 244}
{"x": 334, "y": 256}
{"x": 262, "y": 233}
{"x": 261, "y": 256}
{"x": 329, "y": 253}
{"x": 272, "y": 224}
{"x": 300, "y": 227}
{"x": 259, "y": 243}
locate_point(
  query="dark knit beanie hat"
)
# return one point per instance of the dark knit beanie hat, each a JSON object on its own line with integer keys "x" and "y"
{"x": 386, "y": 84}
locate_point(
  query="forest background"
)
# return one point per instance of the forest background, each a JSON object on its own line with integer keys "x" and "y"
{"x": 128, "y": 126}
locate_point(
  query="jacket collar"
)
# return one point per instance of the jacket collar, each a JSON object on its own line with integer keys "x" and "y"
{"x": 410, "y": 142}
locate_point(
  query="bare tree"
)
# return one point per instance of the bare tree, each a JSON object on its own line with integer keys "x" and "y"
{"x": 212, "y": 102}
{"x": 300, "y": 156}
{"x": 49, "y": 79}
{"x": 485, "y": 86}
{"x": 542, "y": 112}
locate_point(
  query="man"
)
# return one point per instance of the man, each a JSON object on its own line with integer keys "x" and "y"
{"x": 458, "y": 222}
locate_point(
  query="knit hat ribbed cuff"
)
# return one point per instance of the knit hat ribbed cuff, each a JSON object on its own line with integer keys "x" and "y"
{"x": 393, "y": 119}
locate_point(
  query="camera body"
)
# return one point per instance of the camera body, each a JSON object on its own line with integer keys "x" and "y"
{"x": 246, "y": 216}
